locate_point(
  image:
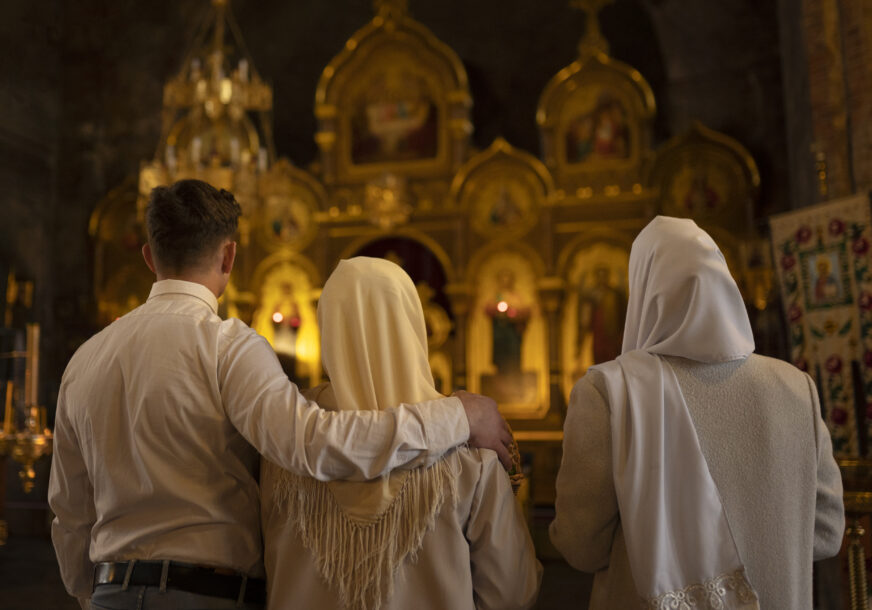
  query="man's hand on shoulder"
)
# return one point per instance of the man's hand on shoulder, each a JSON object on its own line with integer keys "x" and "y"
{"x": 487, "y": 428}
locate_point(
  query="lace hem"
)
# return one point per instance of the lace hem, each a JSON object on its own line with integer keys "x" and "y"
{"x": 724, "y": 592}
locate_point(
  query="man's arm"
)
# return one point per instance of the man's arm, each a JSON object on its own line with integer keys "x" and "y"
{"x": 273, "y": 416}
{"x": 586, "y": 506}
{"x": 71, "y": 498}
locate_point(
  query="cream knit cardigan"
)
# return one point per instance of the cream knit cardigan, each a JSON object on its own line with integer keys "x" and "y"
{"x": 768, "y": 451}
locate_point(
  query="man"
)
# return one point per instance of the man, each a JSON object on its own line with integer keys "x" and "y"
{"x": 161, "y": 415}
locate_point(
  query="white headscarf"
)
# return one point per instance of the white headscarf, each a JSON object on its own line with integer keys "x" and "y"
{"x": 682, "y": 302}
{"x": 374, "y": 349}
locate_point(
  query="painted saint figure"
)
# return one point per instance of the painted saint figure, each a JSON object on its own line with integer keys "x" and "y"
{"x": 509, "y": 316}
{"x": 601, "y": 133}
{"x": 826, "y": 286}
{"x": 601, "y": 313}
{"x": 700, "y": 196}
{"x": 286, "y": 322}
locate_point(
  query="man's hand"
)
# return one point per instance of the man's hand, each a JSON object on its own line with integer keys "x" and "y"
{"x": 487, "y": 428}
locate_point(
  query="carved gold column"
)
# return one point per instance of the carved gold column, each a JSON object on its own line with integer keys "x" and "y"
{"x": 857, "y": 566}
{"x": 857, "y": 480}
{"x": 551, "y": 293}
{"x": 460, "y": 296}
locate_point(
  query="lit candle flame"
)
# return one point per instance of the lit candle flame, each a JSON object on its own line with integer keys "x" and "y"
{"x": 502, "y": 307}
{"x": 278, "y": 317}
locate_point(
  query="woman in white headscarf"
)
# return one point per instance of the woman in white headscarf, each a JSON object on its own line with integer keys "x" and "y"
{"x": 449, "y": 536}
{"x": 695, "y": 473}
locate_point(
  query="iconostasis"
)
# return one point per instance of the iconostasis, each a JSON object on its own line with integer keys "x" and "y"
{"x": 520, "y": 261}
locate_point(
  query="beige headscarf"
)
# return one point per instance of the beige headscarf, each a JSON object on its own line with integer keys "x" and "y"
{"x": 683, "y": 302}
{"x": 374, "y": 349}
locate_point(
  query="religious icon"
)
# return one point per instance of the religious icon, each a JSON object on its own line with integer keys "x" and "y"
{"x": 396, "y": 120}
{"x": 824, "y": 278}
{"x": 505, "y": 210}
{"x": 286, "y": 318}
{"x": 601, "y": 312}
{"x": 826, "y": 286}
{"x": 507, "y": 340}
{"x": 708, "y": 177}
{"x": 595, "y": 310}
{"x": 290, "y": 197}
{"x": 700, "y": 196}
{"x": 601, "y": 133}
{"x": 285, "y": 227}
{"x": 504, "y": 201}
{"x": 286, "y": 323}
{"x": 509, "y": 314}
{"x": 287, "y": 220}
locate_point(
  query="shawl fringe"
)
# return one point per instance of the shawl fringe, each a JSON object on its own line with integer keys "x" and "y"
{"x": 359, "y": 559}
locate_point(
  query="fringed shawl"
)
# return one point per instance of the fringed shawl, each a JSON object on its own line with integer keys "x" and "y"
{"x": 374, "y": 348}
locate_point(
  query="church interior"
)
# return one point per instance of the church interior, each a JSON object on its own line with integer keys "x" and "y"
{"x": 505, "y": 154}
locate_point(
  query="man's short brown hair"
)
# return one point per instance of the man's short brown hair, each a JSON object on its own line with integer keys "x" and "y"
{"x": 187, "y": 221}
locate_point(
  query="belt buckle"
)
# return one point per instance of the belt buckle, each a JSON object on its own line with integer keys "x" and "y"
{"x": 109, "y": 576}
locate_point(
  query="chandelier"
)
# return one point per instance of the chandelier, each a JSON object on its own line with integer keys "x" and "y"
{"x": 216, "y": 123}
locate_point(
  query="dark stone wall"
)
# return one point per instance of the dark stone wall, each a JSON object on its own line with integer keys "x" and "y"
{"x": 30, "y": 109}
{"x": 803, "y": 184}
{"x": 82, "y": 83}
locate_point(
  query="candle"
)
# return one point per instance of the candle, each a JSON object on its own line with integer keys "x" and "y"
{"x": 234, "y": 151}
{"x": 243, "y": 70}
{"x": 262, "y": 160}
{"x": 195, "y": 69}
{"x": 171, "y": 159}
{"x": 196, "y": 145}
{"x": 31, "y": 374}
{"x": 9, "y": 417}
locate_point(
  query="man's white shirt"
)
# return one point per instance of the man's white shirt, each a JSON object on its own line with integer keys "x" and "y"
{"x": 159, "y": 423}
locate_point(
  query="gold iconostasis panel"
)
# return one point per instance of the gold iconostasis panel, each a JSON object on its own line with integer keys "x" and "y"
{"x": 520, "y": 262}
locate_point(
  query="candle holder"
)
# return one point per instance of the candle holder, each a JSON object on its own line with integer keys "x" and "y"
{"x": 857, "y": 482}
{"x": 35, "y": 440}
{"x": 27, "y": 446}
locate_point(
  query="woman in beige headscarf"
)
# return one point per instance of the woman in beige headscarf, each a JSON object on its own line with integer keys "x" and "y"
{"x": 449, "y": 536}
{"x": 695, "y": 474}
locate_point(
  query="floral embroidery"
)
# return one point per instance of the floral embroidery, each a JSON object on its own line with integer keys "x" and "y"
{"x": 722, "y": 592}
{"x": 820, "y": 321}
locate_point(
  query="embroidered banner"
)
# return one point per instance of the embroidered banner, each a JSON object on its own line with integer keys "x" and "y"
{"x": 822, "y": 256}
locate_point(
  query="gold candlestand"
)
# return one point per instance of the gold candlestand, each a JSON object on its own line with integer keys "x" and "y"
{"x": 857, "y": 480}
{"x": 35, "y": 440}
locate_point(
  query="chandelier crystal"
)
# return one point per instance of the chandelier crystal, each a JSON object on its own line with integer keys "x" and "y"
{"x": 216, "y": 123}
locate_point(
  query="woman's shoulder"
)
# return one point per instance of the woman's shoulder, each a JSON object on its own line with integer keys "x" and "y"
{"x": 773, "y": 371}
{"x": 320, "y": 393}
{"x": 590, "y": 388}
{"x": 475, "y": 463}
{"x": 774, "y": 365}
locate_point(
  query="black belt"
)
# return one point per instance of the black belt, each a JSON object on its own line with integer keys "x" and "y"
{"x": 184, "y": 577}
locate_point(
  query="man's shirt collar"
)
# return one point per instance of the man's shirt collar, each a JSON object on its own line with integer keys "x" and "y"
{"x": 187, "y": 288}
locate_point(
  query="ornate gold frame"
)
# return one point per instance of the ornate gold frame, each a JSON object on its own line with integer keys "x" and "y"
{"x": 592, "y": 71}
{"x": 501, "y": 165}
{"x": 369, "y": 49}
{"x": 699, "y": 149}
{"x": 288, "y": 182}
